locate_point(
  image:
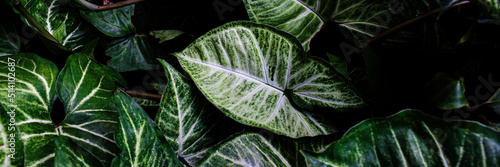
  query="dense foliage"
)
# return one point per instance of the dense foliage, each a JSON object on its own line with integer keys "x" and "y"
{"x": 250, "y": 83}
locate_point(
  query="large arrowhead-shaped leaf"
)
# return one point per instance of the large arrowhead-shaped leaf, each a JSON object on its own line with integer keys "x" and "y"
{"x": 10, "y": 41}
{"x": 132, "y": 54}
{"x": 141, "y": 142}
{"x": 64, "y": 24}
{"x": 245, "y": 69}
{"x": 186, "y": 119}
{"x": 115, "y": 23}
{"x": 35, "y": 80}
{"x": 304, "y": 18}
{"x": 257, "y": 149}
{"x": 91, "y": 119}
{"x": 412, "y": 138}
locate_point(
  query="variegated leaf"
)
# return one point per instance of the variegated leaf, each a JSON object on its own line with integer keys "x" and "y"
{"x": 91, "y": 119}
{"x": 115, "y": 23}
{"x": 188, "y": 122}
{"x": 304, "y": 18}
{"x": 35, "y": 80}
{"x": 61, "y": 22}
{"x": 413, "y": 138}
{"x": 141, "y": 141}
{"x": 259, "y": 149}
{"x": 11, "y": 146}
{"x": 70, "y": 154}
{"x": 250, "y": 71}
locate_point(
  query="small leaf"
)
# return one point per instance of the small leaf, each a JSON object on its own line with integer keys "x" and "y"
{"x": 245, "y": 69}
{"x": 339, "y": 65}
{"x": 412, "y": 138}
{"x": 141, "y": 142}
{"x": 115, "y": 23}
{"x": 132, "y": 54}
{"x": 165, "y": 35}
{"x": 445, "y": 92}
{"x": 89, "y": 48}
{"x": 189, "y": 123}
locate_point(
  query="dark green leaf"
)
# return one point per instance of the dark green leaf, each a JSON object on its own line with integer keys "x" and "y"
{"x": 91, "y": 118}
{"x": 132, "y": 54}
{"x": 445, "y": 92}
{"x": 70, "y": 154}
{"x": 56, "y": 17}
{"x": 35, "y": 80}
{"x": 116, "y": 22}
{"x": 245, "y": 69}
{"x": 165, "y": 35}
{"x": 186, "y": 119}
{"x": 88, "y": 49}
{"x": 10, "y": 41}
{"x": 141, "y": 142}
{"x": 413, "y": 138}
{"x": 339, "y": 65}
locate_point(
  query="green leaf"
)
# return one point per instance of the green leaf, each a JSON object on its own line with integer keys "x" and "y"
{"x": 89, "y": 48}
{"x": 91, "y": 118}
{"x": 141, "y": 142}
{"x": 64, "y": 24}
{"x": 245, "y": 69}
{"x": 259, "y": 149}
{"x": 115, "y": 23}
{"x": 11, "y": 146}
{"x": 304, "y": 18}
{"x": 445, "y": 92}
{"x": 10, "y": 41}
{"x": 70, "y": 154}
{"x": 132, "y": 54}
{"x": 189, "y": 123}
{"x": 413, "y": 138}
{"x": 34, "y": 90}
{"x": 165, "y": 35}
{"x": 339, "y": 65}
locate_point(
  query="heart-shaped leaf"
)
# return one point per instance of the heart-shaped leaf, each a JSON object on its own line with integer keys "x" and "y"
{"x": 86, "y": 90}
{"x": 304, "y": 18}
{"x": 132, "y": 54}
{"x": 116, "y": 22}
{"x": 186, "y": 119}
{"x": 248, "y": 69}
{"x": 34, "y": 91}
{"x": 141, "y": 141}
{"x": 62, "y": 23}
{"x": 412, "y": 138}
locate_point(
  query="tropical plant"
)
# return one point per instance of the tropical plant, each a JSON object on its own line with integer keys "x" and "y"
{"x": 152, "y": 83}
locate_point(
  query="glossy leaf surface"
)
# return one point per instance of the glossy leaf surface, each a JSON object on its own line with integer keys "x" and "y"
{"x": 132, "y": 54}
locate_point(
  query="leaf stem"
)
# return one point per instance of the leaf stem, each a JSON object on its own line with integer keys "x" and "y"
{"x": 19, "y": 7}
{"x": 408, "y": 22}
{"x": 93, "y": 7}
{"x": 143, "y": 95}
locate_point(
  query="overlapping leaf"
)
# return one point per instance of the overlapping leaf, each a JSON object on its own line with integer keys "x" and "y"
{"x": 70, "y": 154}
{"x": 86, "y": 90}
{"x": 141, "y": 142}
{"x": 412, "y": 138}
{"x": 445, "y": 92}
{"x": 304, "y": 18}
{"x": 35, "y": 80}
{"x": 186, "y": 119}
{"x": 132, "y": 54}
{"x": 245, "y": 69}
{"x": 62, "y": 23}
{"x": 115, "y": 23}
{"x": 259, "y": 149}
